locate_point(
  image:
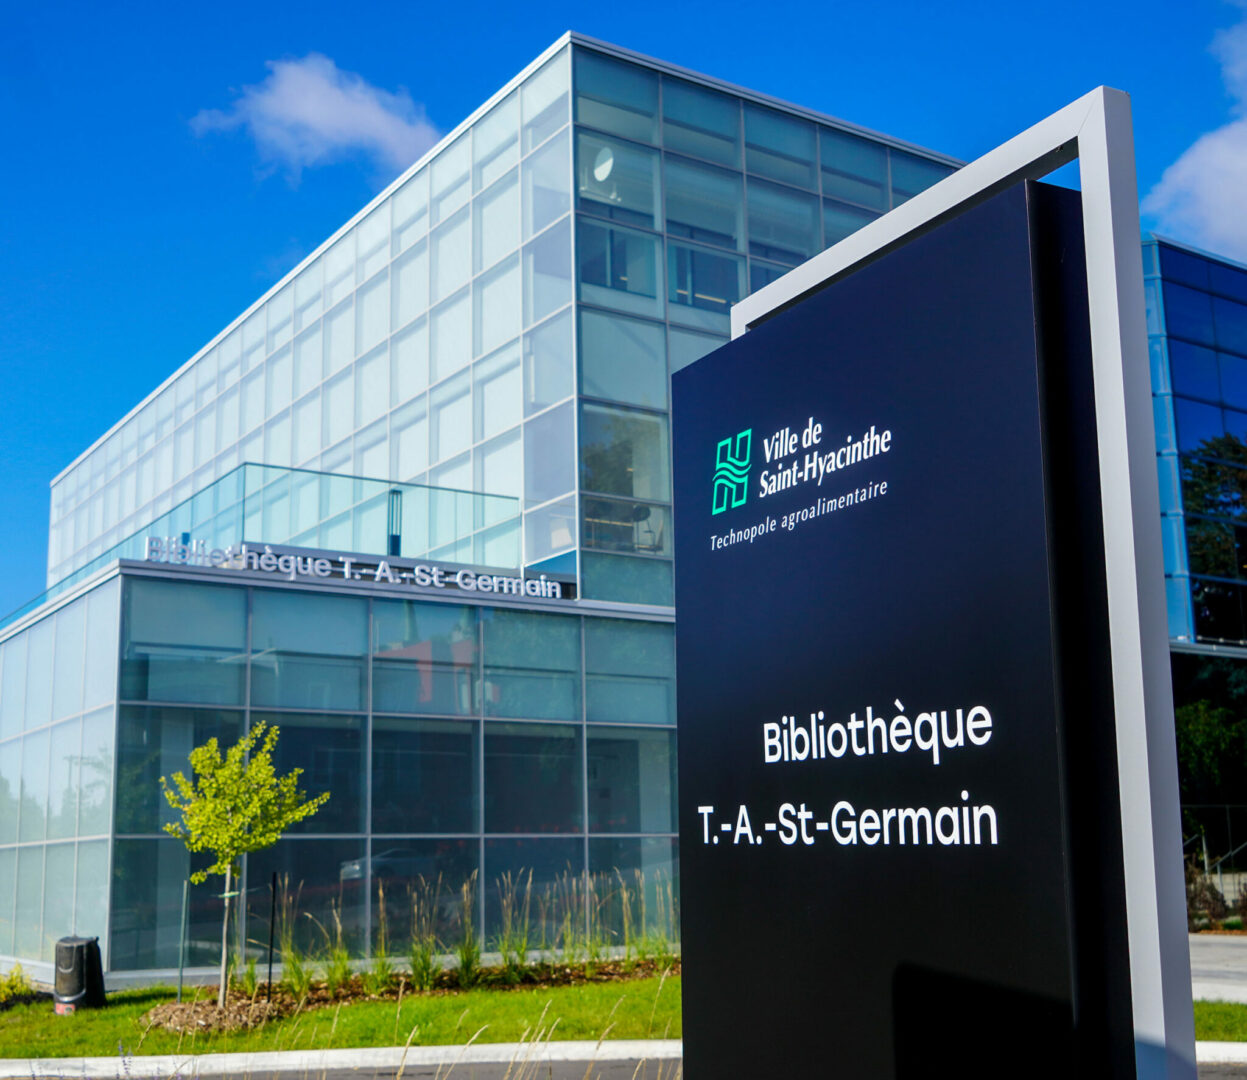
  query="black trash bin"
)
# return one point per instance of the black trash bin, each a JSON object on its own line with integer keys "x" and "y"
{"x": 79, "y": 974}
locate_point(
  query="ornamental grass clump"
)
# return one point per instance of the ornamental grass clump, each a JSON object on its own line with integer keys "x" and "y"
{"x": 337, "y": 958}
{"x": 468, "y": 947}
{"x": 380, "y": 968}
{"x": 515, "y": 895}
{"x": 425, "y": 898}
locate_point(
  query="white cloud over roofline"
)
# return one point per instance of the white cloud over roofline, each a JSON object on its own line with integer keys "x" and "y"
{"x": 309, "y": 112}
{"x": 1202, "y": 197}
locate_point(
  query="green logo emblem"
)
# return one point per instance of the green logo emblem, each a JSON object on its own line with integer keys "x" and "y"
{"x": 731, "y": 472}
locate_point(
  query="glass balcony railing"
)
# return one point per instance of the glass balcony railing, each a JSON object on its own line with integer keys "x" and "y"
{"x": 264, "y": 504}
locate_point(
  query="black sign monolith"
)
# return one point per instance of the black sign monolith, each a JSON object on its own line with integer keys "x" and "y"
{"x": 899, "y": 841}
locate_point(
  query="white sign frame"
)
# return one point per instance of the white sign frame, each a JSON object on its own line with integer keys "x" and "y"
{"x": 1096, "y": 131}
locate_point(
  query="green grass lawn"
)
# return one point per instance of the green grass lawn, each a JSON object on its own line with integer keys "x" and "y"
{"x": 1220, "y": 1021}
{"x": 636, "y": 1009}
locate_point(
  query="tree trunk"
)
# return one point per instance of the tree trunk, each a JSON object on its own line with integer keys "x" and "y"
{"x": 223, "y": 988}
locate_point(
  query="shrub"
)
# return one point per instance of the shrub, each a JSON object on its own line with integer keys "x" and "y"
{"x": 15, "y": 985}
{"x": 1205, "y": 905}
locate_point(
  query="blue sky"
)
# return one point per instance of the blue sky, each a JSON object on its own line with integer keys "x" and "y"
{"x": 149, "y": 196}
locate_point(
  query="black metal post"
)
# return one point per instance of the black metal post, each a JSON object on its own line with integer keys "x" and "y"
{"x": 272, "y": 924}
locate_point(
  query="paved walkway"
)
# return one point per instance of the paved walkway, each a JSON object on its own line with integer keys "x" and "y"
{"x": 1219, "y": 967}
{"x": 648, "y": 1059}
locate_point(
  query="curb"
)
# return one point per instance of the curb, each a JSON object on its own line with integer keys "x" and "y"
{"x": 154, "y": 1066}
{"x": 158, "y": 1067}
{"x": 1221, "y": 1053}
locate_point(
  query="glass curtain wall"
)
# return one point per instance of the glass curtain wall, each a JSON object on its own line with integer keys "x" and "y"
{"x": 453, "y": 738}
{"x": 1197, "y": 323}
{"x": 431, "y": 343}
{"x": 58, "y": 690}
{"x": 687, "y": 199}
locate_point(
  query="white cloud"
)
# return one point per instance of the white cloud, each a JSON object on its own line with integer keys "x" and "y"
{"x": 1202, "y": 197}
{"x": 310, "y": 112}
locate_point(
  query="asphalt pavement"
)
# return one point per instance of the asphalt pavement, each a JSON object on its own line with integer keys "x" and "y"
{"x": 1219, "y": 967}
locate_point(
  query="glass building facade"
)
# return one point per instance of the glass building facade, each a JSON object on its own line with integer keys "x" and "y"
{"x": 473, "y": 370}
{"x": 504, "y": 318}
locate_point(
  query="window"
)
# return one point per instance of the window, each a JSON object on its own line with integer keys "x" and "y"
{"x": 615, "y": 179}
{"x": 623, "y": 452}
{"x": 779, "y": 146}
{"x": 704, "y": 204}
{"x": 700, "y": 122}
{"x": 424, "y": 658}
{"x": 183, "y": 642}
{"x": 854, "y": 169}
{"x": 619, "y": 268}
{"x": 616, "y": 96}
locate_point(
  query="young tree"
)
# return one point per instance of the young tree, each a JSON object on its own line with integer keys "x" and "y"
{"x": 237, "y": 804}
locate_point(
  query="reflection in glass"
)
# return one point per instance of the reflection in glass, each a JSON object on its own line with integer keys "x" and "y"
{"x": 543, "y": 102}
{"x": 67, "y": 682}
{"x": 531, "y": 665}
{"x": 631, "y": 527}
{"x": 95, "y": 797}
{"x": 840, "y": 220}
{"x": 495, "y": 142}
{"x": 532, "y": 778}
{"x": 629, "y": 671}
{"x": 702, "y": 285}
{"x": 498, "y": 392}
{"x": 911, "y": 175}
{"x": 649, "y": 868}
{"x": 1194, "y": 370}
{"x": 424, "y": 776}
{"x": 330, "y": 751}
{"x": 146, "y": 905}
{"x": 28, "y": 912}
{"x": 497, "y": 222}
{"x": 156, "y": 741}
{"x": 60, "y": 863}
{"x": 91, "y": 892}
{"x": 63, "y": 779}
{"x": 615, "y": 96}
{"x": 549, "y": 530}
{"x": 548, "y": 363}
{"x": 624, "y": 452}
{"x": 1188, "y": 314}
{"x": 628, "y": 580}
{"x": 779, "y": 146}
{"x": 623, "y": 359}
{"x": 704, "y": 204}
{"x": 315, "y": 880}
{"x": 8, "y": 894}
{"x": 854, "y": 169}
{"x": 616, "y": 179}
{"x": 430, "y": 872}
{"x": 547, "y": 273}
{"x": 549, "y": 455}
{"x": 547, "y": 184}
{"x": 700, "y": 122}
{"x": 632, "y": 783}
{"x": 424, "y": 658}
{"x": 783, "y": 224}
{"x": 619, "y": 268}
{"x": 307, "y": 651}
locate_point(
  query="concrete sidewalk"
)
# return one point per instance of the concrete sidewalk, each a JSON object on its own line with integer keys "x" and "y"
{"x": 623, "y": 1057}
{"x": 1218, "y": 967}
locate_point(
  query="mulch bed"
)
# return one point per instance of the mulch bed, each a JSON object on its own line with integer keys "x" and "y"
{"x": 242, "y": 1012}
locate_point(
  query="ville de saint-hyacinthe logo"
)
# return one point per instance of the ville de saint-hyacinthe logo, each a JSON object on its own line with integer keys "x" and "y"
{"x": 731, "y": 472}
